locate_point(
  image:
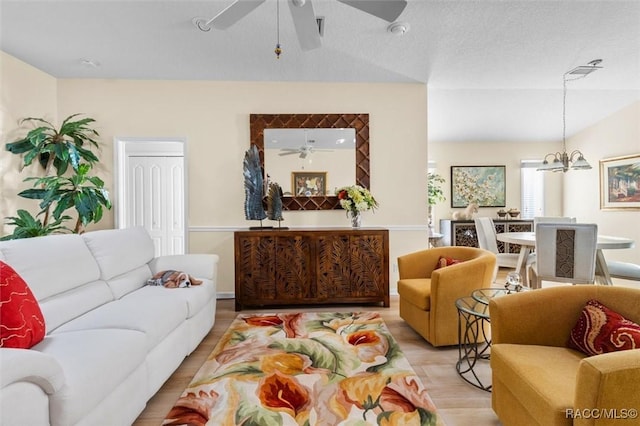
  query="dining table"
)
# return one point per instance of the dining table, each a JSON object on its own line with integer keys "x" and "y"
{"x": 527, "y": 242}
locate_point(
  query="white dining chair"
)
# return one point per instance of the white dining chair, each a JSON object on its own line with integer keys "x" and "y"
{"x": 552, "y": 219}
{"x": 486, "y": 234}
{"x": 566, "y": 252}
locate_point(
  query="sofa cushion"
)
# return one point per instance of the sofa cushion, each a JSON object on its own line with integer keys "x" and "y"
{"x": 52, "y": 264}
{"x": 542, "y": 378}
{"x": 118, "y": 251}
{"x": 130, "y": 281}
{"x": 118, "y": 353}
{"x": 601, "y": 330}
{"x": 417, "y": 291}
{"x": 21, "y": 322}
{"x": 71, "y": 304}
{"x": 151, "y": 313}
{"x": 194, "y": 297}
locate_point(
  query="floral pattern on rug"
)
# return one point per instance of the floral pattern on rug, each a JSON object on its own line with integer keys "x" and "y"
{"x": 305, "y": 369}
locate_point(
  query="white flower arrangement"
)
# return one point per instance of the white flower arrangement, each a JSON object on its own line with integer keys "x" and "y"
{"x": 356, "y": 199}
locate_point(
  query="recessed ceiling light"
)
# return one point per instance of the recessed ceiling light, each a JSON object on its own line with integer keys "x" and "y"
{"x": 398, "y": 28}
{"x": 89, "y": 63}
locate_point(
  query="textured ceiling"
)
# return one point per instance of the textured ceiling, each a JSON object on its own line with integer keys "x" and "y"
{"x": 494, "y": 68}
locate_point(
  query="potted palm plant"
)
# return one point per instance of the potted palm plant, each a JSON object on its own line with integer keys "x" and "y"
{"x": 66, "y": 158}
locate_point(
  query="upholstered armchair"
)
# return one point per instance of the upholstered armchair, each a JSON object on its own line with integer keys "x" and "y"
{"x": 428, "y": 295}
{"x": 539, "y": 380}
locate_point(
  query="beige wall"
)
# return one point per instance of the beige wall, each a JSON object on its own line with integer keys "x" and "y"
{"x": 617, "y": 135}
{"x": 25, "y": 92}
{"x": 213, "y": 117}
{"x": 446, "y": 155}
{"x": 575, "y": 193}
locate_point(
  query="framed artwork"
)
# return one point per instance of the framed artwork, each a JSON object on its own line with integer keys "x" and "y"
{"x": 620, "y": 183}
{"x": 309, "y": 184}
{"x": 483, "y": 185}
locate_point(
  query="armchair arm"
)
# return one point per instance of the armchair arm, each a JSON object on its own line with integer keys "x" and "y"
{"x": 26, "y": 365}
{"x": 198, "y": 265}
{"x": 608, "y": 382}
{"x": 455, "y": 281}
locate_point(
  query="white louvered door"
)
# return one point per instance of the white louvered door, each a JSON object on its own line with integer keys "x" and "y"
{"x": 152, "y": 193}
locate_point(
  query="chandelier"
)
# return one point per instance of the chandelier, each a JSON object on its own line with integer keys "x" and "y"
{"x": 562, "y": 161}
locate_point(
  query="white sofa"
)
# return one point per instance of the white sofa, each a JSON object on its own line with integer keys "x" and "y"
{"x": 111, "y": 341}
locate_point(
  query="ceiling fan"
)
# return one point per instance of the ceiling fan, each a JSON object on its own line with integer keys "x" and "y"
{"x": 304, "y": 17}
{"x": 304, "y": 151}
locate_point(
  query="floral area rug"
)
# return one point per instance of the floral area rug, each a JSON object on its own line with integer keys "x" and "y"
{"x": 305, "y": 369}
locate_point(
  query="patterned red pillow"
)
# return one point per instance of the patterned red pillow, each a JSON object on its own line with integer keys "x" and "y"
{"x": 21, "y": 323}
{"x": 446, "y": 261}
{"x": 600, "y": 330}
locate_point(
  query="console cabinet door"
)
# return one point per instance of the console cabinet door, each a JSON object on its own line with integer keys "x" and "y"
{"x": 367, "y": 271}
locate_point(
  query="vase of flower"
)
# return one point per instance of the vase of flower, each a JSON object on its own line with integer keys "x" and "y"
{"x": 356, "y": 219}
{"x": 356, "y": 199}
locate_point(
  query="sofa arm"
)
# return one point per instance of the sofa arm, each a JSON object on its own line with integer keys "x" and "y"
{"x": 198, "y": 265}
{"x": 608, "y": 385}
{"x": 25, "y": 365}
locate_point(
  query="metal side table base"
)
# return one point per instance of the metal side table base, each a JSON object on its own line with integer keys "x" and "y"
{"x": 474, "y": 345}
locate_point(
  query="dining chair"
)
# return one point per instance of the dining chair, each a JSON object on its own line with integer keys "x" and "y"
{"x": 566, "y": 252}
{"x": 552, "y": 219}
{"x": 486, "y": 233}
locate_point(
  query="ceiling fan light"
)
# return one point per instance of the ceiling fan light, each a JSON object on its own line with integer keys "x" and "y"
{"x": 298, "y": 3}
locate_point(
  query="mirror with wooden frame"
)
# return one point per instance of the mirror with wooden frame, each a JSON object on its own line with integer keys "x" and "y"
{"x": 359, "y": 122}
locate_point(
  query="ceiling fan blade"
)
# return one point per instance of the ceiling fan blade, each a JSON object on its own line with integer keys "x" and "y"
{"x": 232, "y": 14}
{"x": 289, "y": 153}
{"x": 304, "y": 19}
{"x": 389, "y": 10}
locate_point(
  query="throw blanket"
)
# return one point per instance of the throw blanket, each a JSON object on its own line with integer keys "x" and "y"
{"x": 307, "y": 369}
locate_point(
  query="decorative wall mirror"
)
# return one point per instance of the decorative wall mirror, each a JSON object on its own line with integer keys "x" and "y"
{"x": 313, "y": 132}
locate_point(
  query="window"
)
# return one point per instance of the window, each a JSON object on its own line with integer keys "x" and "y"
{"x": 532, "y": 189}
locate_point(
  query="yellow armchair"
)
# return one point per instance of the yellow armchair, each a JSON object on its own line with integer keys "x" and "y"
{"x": 537, "y": 380}
{"x": 428, "y": 295}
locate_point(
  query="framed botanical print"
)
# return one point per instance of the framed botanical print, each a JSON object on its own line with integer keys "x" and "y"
{"x": 620, "y": 183}
{"x": 309, "y": 184}
{"x": 483, "y": 185}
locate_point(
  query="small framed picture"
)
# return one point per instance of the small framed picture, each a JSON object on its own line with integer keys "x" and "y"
{"x": 309, "y": 184}
{"x": 620, "y": 183}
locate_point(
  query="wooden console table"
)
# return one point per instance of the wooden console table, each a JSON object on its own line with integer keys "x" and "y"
{"x": 304, "y": 266}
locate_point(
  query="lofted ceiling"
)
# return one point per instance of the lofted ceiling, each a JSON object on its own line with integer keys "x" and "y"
{"x": 494, "y": 68}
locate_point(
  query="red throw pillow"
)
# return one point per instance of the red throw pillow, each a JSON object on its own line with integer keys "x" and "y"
{"x": 21, "y": 323}
{"x": 446, "y": 261}
{"x": 600, "y": 330}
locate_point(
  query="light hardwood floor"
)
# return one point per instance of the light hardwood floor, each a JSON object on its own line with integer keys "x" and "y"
{"x": 458, "y": 403}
